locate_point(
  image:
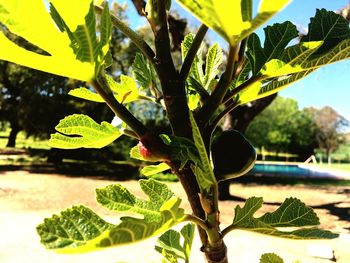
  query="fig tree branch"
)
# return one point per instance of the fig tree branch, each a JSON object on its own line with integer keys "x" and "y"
{"x": 102, "y": 88}
{"x": 131, "y": 34}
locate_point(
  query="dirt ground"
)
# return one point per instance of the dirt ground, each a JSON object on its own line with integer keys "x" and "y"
{"x": 26, "y": 198}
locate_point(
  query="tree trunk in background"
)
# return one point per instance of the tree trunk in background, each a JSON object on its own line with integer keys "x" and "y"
{"x": 329, "y": 157}
{"x": 239, "y": 119}
{"x": 15, "y": 129}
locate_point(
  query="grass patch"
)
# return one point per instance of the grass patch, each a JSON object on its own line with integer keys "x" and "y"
{"x": 335, "y": 166}
{"x": 23, "y": 141}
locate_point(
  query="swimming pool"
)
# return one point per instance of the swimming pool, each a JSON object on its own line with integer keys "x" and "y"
{"x": 298, "y": 170}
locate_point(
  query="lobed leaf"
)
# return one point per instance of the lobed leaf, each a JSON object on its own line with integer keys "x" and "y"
{"x": 74, "y": 227}
{"x": 203, "y": 170}
{"x": 83, "y": 40}
{"x": 126, "y": 91}
{"x": 144, "y": 73}
{"x": 41, "y": 31}
{"x": 86, "y": 94}
{"x": 196, "y": 74}
{"x": 277, "y": 38}
{"x": 212, "y": 64}
{"x": 258, "y": 91}
{"x": 80, "y": 230}
{"x": 117, "y": 198}
{"x": 327, "y": 41}
{"x": 169, "y": 243}
{"x": 292, "y": 60}
{"x": 291, "y": 213}
{"x": 182, "y": 149}
{"x": 329, "y": 27}
{"x": 270, "y": 258}
{"x": 188, "y": 234}
{"x": 80, "y": 131}
{"x": 232, "y": 19}
{"x": 154, "y": 169}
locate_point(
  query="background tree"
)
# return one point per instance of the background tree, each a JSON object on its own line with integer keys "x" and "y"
{"x": 329, "y": 128}
{"x": 33, "y": 101}
{"x": 282, "y": 127}
{"x": 186, "y": 150}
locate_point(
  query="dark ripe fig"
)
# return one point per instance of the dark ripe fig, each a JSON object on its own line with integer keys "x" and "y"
{"x": 232, "y": 155}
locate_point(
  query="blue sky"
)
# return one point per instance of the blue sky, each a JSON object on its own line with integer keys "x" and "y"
{"x": 329, "y": 85}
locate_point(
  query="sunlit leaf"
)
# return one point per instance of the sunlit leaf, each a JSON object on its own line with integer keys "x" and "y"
{"x": 41, "y": 31}
{"x": 144, "y": 73}
{"x": 212, "y": 64}
{"x": 188, "y": 234}
{"x": 258, "y": 91}
{"x": 328, "y": 41}
{"x": 292, "y": 212}
{"x": 86, "y": 94}
{"x": 193, "y": 101}
{"x": 270, "y": 258}
{"x": 231, "y": 19}
{"x": 292, "y": 60}
{"x": 80, "y": 131}
{"x": 81, "y": 33}
{"x": 169, "y": 242}
{"x": 196, "y": 71}
{"x": 68, "y": 36}
{"x": 72, "y": 228}
{"x": 154, "y": 169}
{"x": 126, "y": 91}
{"x": 277, "y": 38}
{"x": 79, "y": 229}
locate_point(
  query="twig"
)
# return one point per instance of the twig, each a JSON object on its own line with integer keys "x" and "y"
{"x": 102, "y": 88}
{"x": 197, "y": 221}
{"x": 228, "y": 109}
{"x": 240, "y": 61}
{"x": 243, "y": 86}
{"x": 210, "y": 106}
{"x": 191, "y": 54}
{"x": 228, "y": 230}
{"x": 131, "y": 34}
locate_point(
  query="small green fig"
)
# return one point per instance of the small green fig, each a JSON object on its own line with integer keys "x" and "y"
{"x": 232, "y": 155}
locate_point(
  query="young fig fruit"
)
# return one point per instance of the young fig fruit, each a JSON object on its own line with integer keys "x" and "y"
{"x": 152, "y": 149}
{"x": 232, "y": 155}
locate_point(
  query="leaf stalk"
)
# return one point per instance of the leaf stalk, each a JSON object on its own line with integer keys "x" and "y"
{"x": 192, "y": 52}
{"x": 102, "y": 88}
{"x": 210, "y": 106}
{"x": 131, "y": 34}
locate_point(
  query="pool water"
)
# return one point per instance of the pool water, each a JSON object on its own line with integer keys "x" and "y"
{"x": 297, "y": 170}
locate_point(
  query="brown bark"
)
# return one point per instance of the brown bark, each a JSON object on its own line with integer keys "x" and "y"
{"x": 174, "y": 94}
